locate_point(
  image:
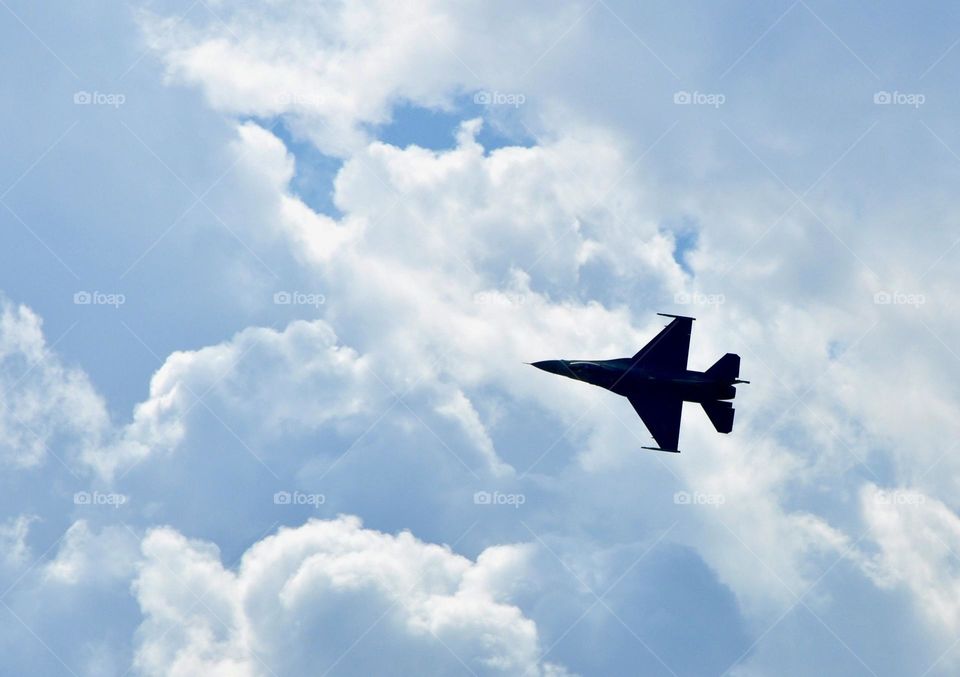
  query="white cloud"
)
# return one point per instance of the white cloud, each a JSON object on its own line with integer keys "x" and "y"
{"x": 460, "y": 409}
{"x": 469, "y": 305}
{"x": 86, "y": 557}
{"x": 447, "y": 257}
{"x": 264, "y": 384}
{"x": 266, "y": 169}
{"x": 466, "y": 302}
{"x": 333, "y": 68}
{"x": 918, "y": 541}
{"x": 298, "y": 377}
{"x": 323, "y": 595}
{"x": 46, "y": 407}
{"x": 445, "y": 306}
{"x": 450, "y": 268}
{"x": 13, "y": 539}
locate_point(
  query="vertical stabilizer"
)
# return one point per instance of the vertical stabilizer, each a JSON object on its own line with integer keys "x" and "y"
{"x": 727, "y": 368}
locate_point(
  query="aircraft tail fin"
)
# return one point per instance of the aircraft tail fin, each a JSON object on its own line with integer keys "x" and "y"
{"x": 720, "y": 412}
{"x": 727, "y": 368}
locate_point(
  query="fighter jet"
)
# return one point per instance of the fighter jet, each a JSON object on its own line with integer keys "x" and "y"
{"x": 657, "y": 382}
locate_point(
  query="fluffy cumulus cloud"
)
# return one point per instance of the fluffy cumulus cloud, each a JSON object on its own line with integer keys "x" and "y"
{"x": 387, "y": 372}
{"x": 470, "y": 301}
{"x": 448, "y": 249}
{"x": 272, "y": 384}
{"x": 248, "y": 374}
{"x": 334, "y": 597}
{"x": 468, "y": 215}
{"x": 338, "y": 67}
{"x": 85, "y": 556}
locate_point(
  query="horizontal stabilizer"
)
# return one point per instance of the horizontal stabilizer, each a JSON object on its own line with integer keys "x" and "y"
{"x": 727, "y": 368}
{"x": 720, "y": 413}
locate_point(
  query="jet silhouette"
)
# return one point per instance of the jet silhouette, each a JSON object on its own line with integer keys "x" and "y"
{"x": 657, "y": 382}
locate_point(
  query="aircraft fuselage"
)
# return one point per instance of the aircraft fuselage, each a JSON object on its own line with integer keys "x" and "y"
{"x": 626, "y": 378}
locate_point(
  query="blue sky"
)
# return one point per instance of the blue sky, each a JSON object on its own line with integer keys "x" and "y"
{"x": 319, "y": 240}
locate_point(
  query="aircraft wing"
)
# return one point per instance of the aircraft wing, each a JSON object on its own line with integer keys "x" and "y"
{"x": 668, "y": 350}
{"x": 661, "y": 415}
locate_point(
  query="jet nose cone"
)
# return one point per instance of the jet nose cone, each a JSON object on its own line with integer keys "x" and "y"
{"x": 552, "y": 366}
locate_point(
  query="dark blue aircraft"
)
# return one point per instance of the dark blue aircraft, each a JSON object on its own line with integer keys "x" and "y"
{"x": 657, "y": 382}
